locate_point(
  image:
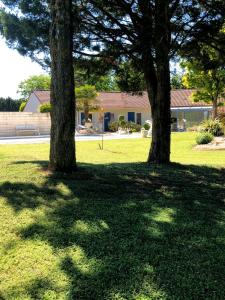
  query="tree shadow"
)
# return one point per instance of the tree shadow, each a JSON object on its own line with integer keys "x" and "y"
{"x": 130, "y": 231}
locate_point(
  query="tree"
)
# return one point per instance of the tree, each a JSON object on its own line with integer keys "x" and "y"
{"x": 176, "y": 81}
{"x": 86, "y": 99}
{"x": 149, "y": 33}
{"x": 62, "y": 146}
{"x": 35, "y": 82}
{"x": 8, "y": 104}
{"x": 210, "y": 83}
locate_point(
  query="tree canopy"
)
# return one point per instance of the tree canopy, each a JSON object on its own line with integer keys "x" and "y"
{"x": 210, "y": 83}
{"x": 35, "y": 82}
{"x": 86, "y": 99}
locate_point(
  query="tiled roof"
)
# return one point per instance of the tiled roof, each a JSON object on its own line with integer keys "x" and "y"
{"x": 118, "y": 100}
{"x": 43, "y": 96}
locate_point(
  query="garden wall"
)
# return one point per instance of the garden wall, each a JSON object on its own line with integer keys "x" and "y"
{"x": 9, "y": 121}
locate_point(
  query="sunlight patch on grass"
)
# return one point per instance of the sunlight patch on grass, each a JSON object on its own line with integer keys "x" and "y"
{"x": 90, "y": 227}
{"x": 82, "y": 263}
{"x": 25, "y": 263}
{"x": 165, "y": 215}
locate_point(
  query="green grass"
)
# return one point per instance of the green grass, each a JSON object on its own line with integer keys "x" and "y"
{"x": 116, "y": 230}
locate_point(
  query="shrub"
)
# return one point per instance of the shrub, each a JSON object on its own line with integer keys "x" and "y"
{"x": 22, "y": 106}
{"x": 121, "y": 118}
{"x": 113, "y": 126}
{"x": 45, "y": 108}
{"x": 146, "y": 126}
{"x": 133, "y": 127}
{"x": 215, "y": 127}
{"x": 204, "y": 138}
{"x": 123, "y": 124}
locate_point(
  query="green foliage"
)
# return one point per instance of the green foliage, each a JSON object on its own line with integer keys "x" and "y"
{"x": 86, "y": 93}
{"x": 8, "y": 104}
{"x": 214, "y": 127}
{"x": 133, "y": 127}
{"x": 45, "y": 108}
{"x": 22, "y": 106}
{"x": 130, "y": 126}
{"x": 123, "y": 124}
{"x": 204, "y": 138}
{"x": 93, "y": 73}
{"x": 130, "y": 78}
{"x": 176, "y": 82}
{"x": 146, "y": 126}
{"x": 121, "y": 118}
{"x": 86, "y": 99}
{"x": 113, "y": 126}
{"x": 36, "y": 82}
{"x": 210, "y": 83}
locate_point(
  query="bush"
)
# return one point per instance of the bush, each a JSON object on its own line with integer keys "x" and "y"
{"x": 45, "y": 108}
{"x": 133, "y": 127}
{"x": 215, "y": 127}
{"x": 146, "y": 126}
{"x": 204, "y": 138}
{"x": 113, "y": 126}
{"x": 22, "y": 106}
{"x": 121, "y": 118}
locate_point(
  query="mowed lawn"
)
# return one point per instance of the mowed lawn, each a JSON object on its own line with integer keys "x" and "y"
{"x": 118, "y": 229}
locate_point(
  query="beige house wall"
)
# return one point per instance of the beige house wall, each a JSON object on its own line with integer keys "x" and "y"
{"x": 33, "y": 104}
{"x": 96, "y": 116}
{"x": 9, "y": 121}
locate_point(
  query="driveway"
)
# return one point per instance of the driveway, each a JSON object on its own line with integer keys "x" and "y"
{"x": 46, "y": 139}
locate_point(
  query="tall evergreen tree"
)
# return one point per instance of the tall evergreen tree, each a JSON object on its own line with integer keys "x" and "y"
{"x": 62, "y": 147}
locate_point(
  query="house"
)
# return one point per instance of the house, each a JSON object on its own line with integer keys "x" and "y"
{"x": 133, "y": 107}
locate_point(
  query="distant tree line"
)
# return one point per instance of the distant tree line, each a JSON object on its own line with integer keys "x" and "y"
{"x": 9, "y": 104}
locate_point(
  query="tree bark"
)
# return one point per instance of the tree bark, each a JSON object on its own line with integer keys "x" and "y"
{"x": 62, "y": 148}
{"x": 159, "y": 88}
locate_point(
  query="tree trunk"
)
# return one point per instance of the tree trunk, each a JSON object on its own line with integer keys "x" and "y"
{"x": 159, "y": 89}
{"x": 161, "y": 122}
{"x": 62, "y": 148}
{"x": 215, "y": 109}
{"x": 86, "y": 111}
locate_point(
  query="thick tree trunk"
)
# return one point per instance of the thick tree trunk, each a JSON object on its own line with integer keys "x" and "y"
{"x": 161, "y": 120}
{"x": 62, "y": 149}
{"x": 159, "y": 89}
{"x": 215, "y": 109}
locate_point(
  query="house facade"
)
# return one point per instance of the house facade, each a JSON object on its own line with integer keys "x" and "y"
{"x": 133, "y": 108}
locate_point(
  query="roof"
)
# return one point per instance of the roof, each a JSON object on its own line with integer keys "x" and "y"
{"x": 118, "y": 100}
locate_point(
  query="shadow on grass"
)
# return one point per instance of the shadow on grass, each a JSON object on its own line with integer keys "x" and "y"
{"x": 132, "y": 232}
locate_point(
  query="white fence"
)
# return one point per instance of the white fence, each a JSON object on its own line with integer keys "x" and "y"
{"x": 10, "y": 120}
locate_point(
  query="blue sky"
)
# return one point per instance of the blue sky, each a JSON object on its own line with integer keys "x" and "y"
{"x": 13, "y": 69}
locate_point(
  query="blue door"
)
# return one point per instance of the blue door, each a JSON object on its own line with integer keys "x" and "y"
{"x": 131, "y": 117}
{"x": 107, "y": 117}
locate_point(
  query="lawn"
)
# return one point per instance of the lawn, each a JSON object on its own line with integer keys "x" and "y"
{"x": 116, "y": 230}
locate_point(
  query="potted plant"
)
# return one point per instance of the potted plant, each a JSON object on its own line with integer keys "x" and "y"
{"x": 122, "y": 127}
{"x": 145, "y": 129}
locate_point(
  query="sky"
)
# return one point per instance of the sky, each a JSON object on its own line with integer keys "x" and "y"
{"x": 14, "y": 68}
